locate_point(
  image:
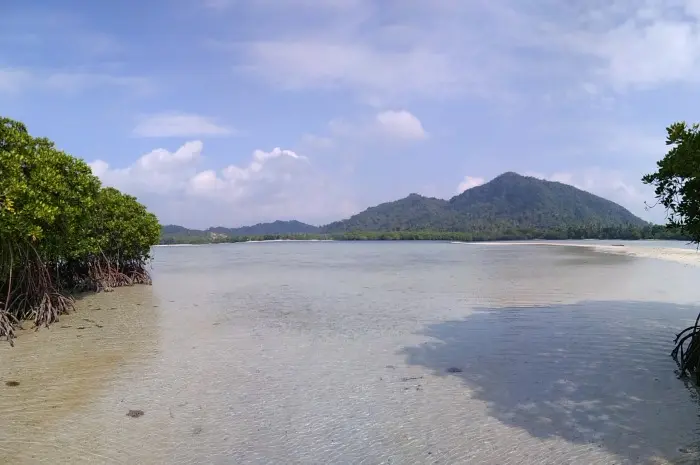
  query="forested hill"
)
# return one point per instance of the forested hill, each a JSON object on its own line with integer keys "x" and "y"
{"x": 276, "y": 227}
{"x": 528, "y": 201}
{"x": 260, "y": 229}
{"x": 509, "y": 201}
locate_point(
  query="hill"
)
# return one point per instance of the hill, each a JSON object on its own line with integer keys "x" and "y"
{"x": 413, "y": 213}
{"x": 276, "y": 227}
{"x": 509, "y": 201}
{"x": 172, "y": 233}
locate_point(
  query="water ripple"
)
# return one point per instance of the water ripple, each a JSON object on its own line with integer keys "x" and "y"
{"x": 339, "y": 353}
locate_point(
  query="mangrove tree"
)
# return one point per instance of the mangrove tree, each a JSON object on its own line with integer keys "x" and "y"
{"x": 61, "y": 231}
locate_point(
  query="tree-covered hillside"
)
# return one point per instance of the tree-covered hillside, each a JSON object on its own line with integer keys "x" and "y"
{"x": 174, "y": 234}
{"x": 413, "y": 213}
{"x": 276, "y": 227}
{"x": 510, "y": 201}
{"x": 527, "y": 201}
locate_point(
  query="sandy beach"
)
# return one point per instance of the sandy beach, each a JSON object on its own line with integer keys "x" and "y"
{"x": 685, "y": 256}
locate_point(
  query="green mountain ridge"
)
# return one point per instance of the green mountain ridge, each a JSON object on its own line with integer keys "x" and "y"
{"x": 507, "y": 201}
{"x": 275, "y": 227}
{"x": 507, "y": 205}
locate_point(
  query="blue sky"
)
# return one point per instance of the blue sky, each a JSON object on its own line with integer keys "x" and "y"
{"x": 230, "y": 112}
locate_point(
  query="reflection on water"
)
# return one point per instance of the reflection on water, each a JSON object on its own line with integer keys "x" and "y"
{"x": 339, "y": 353}
{"x": 596, "y": 373}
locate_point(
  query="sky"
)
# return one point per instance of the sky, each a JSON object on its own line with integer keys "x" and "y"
{"x": 232, "y": 112}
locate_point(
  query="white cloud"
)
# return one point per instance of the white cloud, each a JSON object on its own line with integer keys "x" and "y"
{"x": 12, "y": 80}
{"x": 18, "y": 79}
{"x": 157, "y": 172}
{"x": 179, "y": 125}
{"x": 377, "y": 75}
{"x": 468, "y": 182}
{"x": 234, "y": 182}
{"x": 281, "y": 4}
{"x": 385, "y": 126}
{"x": 317, "y": 142}
{"x": 643, "y": 44}
{"x": 77, "y": 82}
{"x": 449, "y": 48}
{"x": 401, "y": 125}
{"x": 275, "y": 184}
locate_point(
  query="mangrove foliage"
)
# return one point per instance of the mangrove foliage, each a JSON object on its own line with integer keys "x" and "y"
{"x": 61, "y": 232}
{"x": 677, "y": 187}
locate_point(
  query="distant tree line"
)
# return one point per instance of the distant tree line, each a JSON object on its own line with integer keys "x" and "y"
{"x": 508, "y": 234}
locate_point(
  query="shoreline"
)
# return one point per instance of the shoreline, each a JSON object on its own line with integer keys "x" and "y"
{"x": 678, "y": 255}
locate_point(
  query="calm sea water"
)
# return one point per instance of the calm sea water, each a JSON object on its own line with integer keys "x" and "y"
{"x": 377, "y": 353}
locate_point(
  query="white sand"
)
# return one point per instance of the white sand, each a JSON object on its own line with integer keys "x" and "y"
{"x": 685, "y": 256}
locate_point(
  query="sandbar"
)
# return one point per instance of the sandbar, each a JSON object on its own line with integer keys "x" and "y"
{"x": 679, "y": 255}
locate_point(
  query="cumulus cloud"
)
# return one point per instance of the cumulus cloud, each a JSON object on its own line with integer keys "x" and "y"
{"x": 401, "y": 125}
{"x": 468, "y": 182}
{"x": 275, "y": 184}
{"x": 385, "y": 126}
{"x": 179, "y": 125}
{"x": 234, "y": 182}
{"x": 157, "y": 172}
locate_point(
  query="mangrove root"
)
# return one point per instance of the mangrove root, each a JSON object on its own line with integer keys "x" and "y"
{"x": 7, "y": 326}
{"x": 51, "y": 307}
{"x": 42, "y": 293}
{"x": 686, "y": 353}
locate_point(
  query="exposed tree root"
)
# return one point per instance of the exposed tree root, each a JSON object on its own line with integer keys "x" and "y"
{"x": 687, "y": 351}
{"x": 42, "y": 294}
{"x": 52, "y": 305}
{"x": 7, "y": 326}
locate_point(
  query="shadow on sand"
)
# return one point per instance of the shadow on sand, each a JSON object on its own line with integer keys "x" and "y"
{"x": 594, "y": 372}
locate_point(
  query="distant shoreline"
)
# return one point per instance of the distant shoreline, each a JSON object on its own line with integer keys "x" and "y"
{"x": 678, "y": 255}
{"x": 496, "y": 235}
{"x": 252, "y": 242}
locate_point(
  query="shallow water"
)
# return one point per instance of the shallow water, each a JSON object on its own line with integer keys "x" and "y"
{"x": 340, "y": 353}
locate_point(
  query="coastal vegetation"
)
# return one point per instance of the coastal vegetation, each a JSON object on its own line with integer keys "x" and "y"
{"x": 677, "y": 187}
{"x": 61, "y": 232}
{"x": 178, "y": 235}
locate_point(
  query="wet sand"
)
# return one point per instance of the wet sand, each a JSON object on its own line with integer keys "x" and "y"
{"x": 52, "y": 379}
